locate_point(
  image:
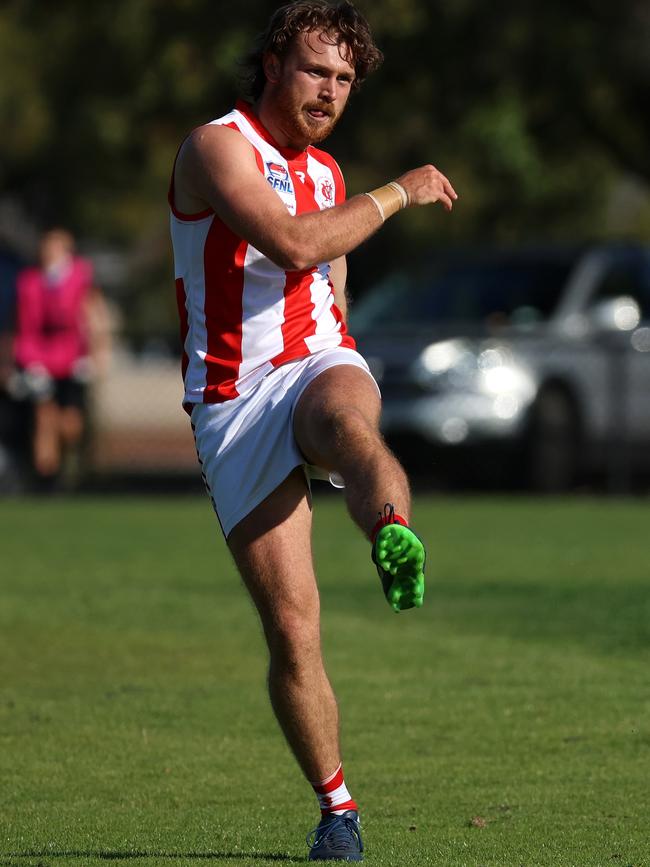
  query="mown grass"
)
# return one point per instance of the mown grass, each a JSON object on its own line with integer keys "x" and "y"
{"x": 506, "y": 723}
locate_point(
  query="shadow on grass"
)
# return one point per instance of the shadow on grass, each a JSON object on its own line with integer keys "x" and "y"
{"x": 134, "y": 854}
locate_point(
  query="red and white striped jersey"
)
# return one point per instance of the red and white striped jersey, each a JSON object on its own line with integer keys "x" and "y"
{"x": 241, "y": 315}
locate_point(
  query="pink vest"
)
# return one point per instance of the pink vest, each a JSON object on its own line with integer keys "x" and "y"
{"x": 241, "y": 315}
{"x": 50, "y": 328}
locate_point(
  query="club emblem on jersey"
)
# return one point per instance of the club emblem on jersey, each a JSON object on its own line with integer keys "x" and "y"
{"x": 327, "y": 191}
{"x": 278, "y": 177}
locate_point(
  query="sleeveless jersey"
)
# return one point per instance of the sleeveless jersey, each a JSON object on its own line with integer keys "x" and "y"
{"x": 240, "y": 314}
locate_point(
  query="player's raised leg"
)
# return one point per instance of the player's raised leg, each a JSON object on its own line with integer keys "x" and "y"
{"x": 336, "y": 424}
{"x": 272, "y": 550}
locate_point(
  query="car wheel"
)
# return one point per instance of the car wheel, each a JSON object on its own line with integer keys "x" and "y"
{"x": 553, "y": 442}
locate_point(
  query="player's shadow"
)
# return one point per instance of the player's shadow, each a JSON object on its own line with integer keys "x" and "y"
{"x": 132, "y": 854}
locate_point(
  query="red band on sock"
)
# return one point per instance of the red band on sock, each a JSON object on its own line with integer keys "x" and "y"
{"x": 397, "y": 519}
{"x": 340, "y": 808}
{"x": 329, "y": 783}
{"x": 332, "y": 794}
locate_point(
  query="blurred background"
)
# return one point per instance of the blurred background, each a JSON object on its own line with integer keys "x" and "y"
{"x": 511, "y": 338}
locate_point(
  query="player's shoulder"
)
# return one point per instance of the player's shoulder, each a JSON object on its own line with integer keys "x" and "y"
{"x": 215, "y": 136}
{"x": 214, "y": 131}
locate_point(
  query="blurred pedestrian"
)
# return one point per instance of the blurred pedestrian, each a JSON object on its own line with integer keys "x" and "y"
{"x": 58, "y": 310}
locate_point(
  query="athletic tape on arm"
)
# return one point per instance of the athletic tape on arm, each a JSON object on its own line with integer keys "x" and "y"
{"x": 389, "y": 199}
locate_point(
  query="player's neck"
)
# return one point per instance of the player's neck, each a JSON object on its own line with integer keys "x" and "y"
{"x": 268, "y": 115}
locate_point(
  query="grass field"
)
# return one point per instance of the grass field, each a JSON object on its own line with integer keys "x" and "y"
{"x": 506, "y": 723}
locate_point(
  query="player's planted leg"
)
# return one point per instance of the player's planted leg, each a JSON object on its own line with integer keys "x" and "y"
{"x": 272, "y": 549}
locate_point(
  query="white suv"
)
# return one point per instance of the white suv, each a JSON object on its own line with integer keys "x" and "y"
{"x": 530, "y": 366}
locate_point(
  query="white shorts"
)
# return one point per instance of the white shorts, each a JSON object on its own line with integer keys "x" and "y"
{"x": 246, "y": 446}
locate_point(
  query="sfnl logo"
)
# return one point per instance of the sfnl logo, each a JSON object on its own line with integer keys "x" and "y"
{"x": 278, "y": 177}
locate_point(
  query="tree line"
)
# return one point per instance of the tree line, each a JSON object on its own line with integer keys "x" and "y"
{"x": 537, "y": 112}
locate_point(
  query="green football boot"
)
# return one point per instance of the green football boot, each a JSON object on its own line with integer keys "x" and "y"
{"x": 399, "y": 556}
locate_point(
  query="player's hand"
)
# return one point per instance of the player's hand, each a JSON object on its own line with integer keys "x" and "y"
{"x": 427, "y": 185}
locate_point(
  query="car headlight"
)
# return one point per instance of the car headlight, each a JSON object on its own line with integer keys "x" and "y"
{"x": 457, "y": 365}
{"x": 447, "y": 364}
{"x": 499, "y": 373}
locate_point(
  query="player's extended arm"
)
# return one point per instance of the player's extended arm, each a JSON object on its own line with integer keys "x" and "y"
{"x": 216, "y": 166}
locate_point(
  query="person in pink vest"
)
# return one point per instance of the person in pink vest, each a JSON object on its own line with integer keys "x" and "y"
{"x": 52, "y": 346}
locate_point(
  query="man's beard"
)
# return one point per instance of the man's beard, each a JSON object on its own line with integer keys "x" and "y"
{"x": 300, "y": 129}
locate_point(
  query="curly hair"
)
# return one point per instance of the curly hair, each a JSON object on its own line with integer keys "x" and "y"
{"x": 341, "y": 21}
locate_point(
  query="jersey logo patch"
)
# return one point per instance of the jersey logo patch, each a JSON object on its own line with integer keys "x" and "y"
{"x": 277, "y": 170}
{"x": 278, "y": 177}
{"x": 327, "y": 190}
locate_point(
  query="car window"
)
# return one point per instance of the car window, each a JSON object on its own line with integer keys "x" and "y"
{"x": 494, "y": 292}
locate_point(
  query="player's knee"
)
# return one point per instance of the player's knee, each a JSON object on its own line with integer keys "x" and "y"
{"x": 347, "y": 425}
